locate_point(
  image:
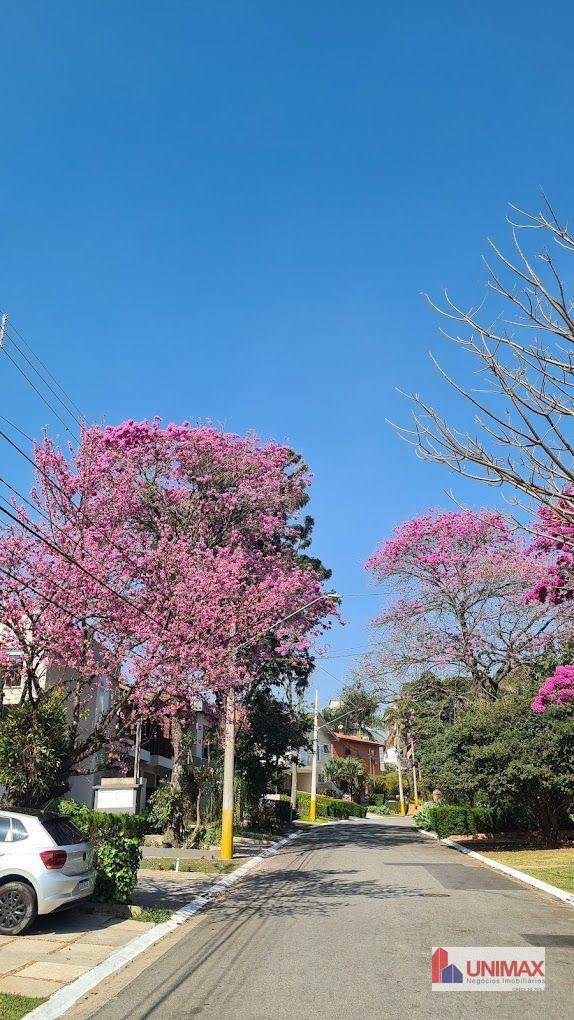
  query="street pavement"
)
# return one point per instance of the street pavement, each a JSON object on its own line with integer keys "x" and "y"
{"x": 340, "y": 924}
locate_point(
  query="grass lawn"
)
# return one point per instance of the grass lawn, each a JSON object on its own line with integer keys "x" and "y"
{"x": 204, "y": 866}
{"x": 12, "y": 1007}
{"x": 154, "y": 914}
{"x": 553, "y": 866}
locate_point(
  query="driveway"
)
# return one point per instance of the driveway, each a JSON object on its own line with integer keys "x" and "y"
{"x": 340, "y": 923}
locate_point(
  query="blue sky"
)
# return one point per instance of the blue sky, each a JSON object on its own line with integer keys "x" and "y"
{"x": 229, "y": 211}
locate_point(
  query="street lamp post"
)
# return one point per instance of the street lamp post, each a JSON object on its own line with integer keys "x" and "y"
{"x": 229, "y": 748}
{"x": 313, "y": 804}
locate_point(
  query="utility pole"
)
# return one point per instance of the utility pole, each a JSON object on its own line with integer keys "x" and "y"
{"x": 400, "y": 768}
{"x": 3, "y": 329}
{"x": 313, "y": 804}
{"x": 415, "y": 784}
{"x": 228, "y": 769}
{"x": 294, "y": 763}
{"x": 137, "y": 762}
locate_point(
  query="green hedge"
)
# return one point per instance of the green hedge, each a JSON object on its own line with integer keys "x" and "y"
{"x": 100, "y": 825}
{"x": 379, "y": 798}
{"x": 454, "y": 820}
{"x": 117, "y": 861}
{"x": 330, "y": 807}
{"x": 116, "y": 840}
{"x": 380, "y": 809}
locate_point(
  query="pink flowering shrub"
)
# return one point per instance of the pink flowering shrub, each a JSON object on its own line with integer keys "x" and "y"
{"x": 557, "y": 689}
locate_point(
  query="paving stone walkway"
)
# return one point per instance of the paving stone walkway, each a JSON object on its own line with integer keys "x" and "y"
{"x": 59, "y": 949}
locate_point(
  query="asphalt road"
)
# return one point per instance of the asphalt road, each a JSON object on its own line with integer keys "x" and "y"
{"x": 340, "y": 924}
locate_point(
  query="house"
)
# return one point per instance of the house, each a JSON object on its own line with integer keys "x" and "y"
{"x": 331, "y": 743}
{"x": 345, "y": 745}
{"x": 147, "y": 766}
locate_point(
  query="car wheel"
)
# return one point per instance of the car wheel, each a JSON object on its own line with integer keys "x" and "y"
{"x": 18, "y": 909}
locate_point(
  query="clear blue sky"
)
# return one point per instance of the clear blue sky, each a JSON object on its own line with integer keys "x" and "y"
{"x": 229, "y": 210}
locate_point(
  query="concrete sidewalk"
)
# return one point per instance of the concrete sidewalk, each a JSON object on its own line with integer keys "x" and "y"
{"x": 341, "y": 924}
{"x": 59, "y": 949}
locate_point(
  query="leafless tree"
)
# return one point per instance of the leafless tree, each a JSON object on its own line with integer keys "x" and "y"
{"x": 523, "y": 361}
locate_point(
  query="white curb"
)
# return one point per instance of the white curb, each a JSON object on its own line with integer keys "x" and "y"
{"x": 552, "y": 890}
{"x": 60, "y": 1002}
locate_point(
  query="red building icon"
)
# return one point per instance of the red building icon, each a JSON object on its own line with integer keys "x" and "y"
{"x": 439, "y": 961}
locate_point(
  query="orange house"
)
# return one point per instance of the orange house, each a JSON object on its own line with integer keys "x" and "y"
{"x": 343, "y": 745}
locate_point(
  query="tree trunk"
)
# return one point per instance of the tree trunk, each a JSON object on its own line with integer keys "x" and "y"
{"x": 175, "y": 830}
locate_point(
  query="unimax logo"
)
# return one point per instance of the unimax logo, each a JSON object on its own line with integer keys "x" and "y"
{"x": 504, "y": 968}
{"x": 487, "y": 968}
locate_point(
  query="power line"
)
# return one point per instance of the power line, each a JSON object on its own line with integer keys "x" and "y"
{"x": 28, "y": 345}
{"x": 44, "y": 380}
{"x": 63, "y": 609}
{"x": 62, "y": 491}
{"x": 40, "y": 394}
{"x": 74, "y": 562}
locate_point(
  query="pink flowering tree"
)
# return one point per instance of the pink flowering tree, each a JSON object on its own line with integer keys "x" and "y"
{"x": 159, "y": 564}
{"x": 554, "y": 548}
{"x": 457, "y": 584}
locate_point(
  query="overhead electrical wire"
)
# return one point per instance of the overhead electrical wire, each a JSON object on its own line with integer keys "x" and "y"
{"x": 65, "y": 404}
{"x": 76, "y": 563}
{"x": 51, "y": 481}
{"x": 44, "y": 400}
{"x": 11, "y": 327}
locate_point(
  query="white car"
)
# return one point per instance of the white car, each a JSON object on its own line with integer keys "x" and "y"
{"x": 45, "y": 865}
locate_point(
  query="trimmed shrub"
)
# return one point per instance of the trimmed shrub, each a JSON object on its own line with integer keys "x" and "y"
{"x": 330, "y": 807}
{"x": 379, "y": 809}
{"x": 454, "y": 820}
{"x": 116, "y": 840}
{"x": 99, "y": 825}
{"x": 117, "y": 863}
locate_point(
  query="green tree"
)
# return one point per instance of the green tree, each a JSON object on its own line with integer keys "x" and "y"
{"x": 503, "y": 755}
{"x": 270, "y": 729}
{"x": 348, "y": 773}
{"x": 35, "y": 752}
{"x": 358, "y": 707}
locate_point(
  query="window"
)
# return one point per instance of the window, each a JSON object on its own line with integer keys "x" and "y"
{"x": 4, "y": 829}
{"x": 326, "y": 748}
{"x": 18, "y": 830}
{"x": 63, "y": 832}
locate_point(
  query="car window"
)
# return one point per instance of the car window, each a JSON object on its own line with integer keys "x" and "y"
{"x": 18, "y": 830}
{"x": 62, "y": 831}
{"x": 4, "y": 829}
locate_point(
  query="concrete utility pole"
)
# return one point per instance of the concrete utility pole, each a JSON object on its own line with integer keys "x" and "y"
{"x": 313, "y": 804}
{"x": 400, "y": 768}
{"x": 415, "y": 784}
{"x": 228, "y": 770}
{"x": 137, "y": 764}
{"x": 294, "y": 763}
